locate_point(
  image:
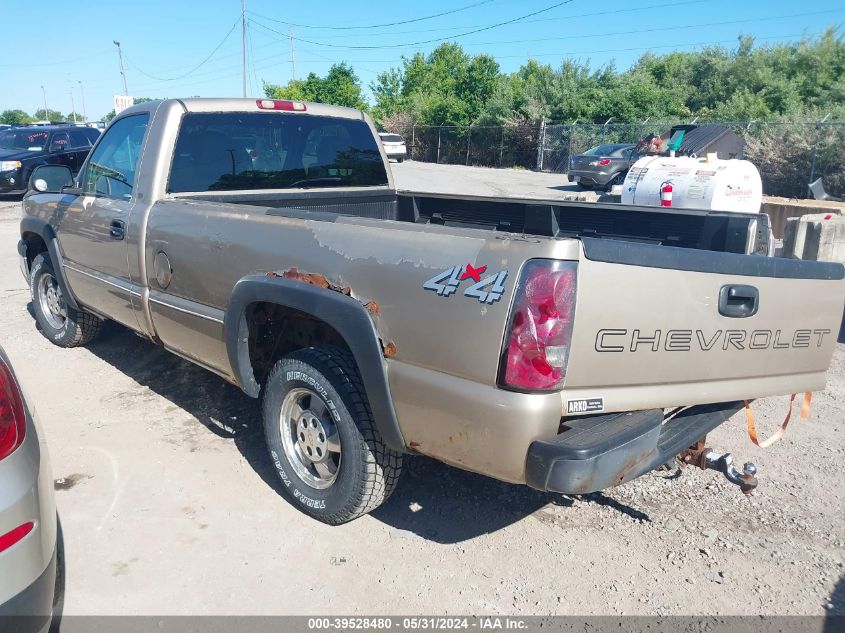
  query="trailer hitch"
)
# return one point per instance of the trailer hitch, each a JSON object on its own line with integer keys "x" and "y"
{"x": 708, "y": 459}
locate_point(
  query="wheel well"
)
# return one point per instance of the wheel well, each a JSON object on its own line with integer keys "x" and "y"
{"x": 35, "y": 245}
{"x": 276, "y": 330}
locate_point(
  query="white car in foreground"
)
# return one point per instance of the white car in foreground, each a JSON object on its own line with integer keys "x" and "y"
{"x": 394, "y": 146}
{"x": 28, "y": 527}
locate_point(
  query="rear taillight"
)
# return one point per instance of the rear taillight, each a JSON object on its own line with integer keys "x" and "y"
{"x": 12, "y": 419}
{"x": 537, "y": 345}
{"x": 601, "y": 163}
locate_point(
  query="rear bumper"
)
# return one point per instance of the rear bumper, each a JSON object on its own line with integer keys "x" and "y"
{"x": 590, "y": 177}
{"x": 602, "y": 451}
{"x": 31, "y": 610}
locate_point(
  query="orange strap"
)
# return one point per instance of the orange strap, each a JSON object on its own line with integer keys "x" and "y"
{"x": 752, "y": 430}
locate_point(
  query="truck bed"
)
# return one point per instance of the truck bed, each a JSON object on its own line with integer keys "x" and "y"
{"x": 683, "y": 228}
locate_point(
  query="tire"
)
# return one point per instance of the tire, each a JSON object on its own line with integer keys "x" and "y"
{"x": 618, "y": 179}
{"x": 63, "y": 325}
{"x": 399, "y": 160}
{"x": 355, "y": 471}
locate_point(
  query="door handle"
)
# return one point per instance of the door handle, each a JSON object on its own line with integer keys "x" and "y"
{"x": 738, "y": 302}
{"x": 117, "y": 229}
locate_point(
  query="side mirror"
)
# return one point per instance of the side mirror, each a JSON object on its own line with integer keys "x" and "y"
{"x": 50, "y": 179}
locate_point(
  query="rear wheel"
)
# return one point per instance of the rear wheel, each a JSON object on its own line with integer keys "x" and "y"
{"x": 322, "y": 438}
{"x": 62, "y": 324}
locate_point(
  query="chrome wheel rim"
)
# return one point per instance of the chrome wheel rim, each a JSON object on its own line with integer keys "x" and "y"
{"x": 310, "y": 438}
{"x": 52, "y": 301}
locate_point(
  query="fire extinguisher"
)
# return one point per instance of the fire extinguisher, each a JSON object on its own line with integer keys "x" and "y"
{"x": 666, "y": 194}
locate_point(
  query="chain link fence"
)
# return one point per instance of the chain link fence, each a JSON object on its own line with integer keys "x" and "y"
{"x": 788, "y": 154}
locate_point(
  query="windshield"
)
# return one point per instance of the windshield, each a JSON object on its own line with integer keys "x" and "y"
{"x": 32, "y": 140}
{"x": 228, "y": 151}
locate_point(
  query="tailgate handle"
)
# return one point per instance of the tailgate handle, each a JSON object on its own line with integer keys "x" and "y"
{"x": 738, "y": 301}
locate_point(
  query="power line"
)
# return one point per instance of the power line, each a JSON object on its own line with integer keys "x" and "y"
{"x": 655, "y": 29}
{"x": 439, "y": 39}
{"x": 544, "y": 20}
{"x": 195, "y": 68}
{"x": 374, "y": 26}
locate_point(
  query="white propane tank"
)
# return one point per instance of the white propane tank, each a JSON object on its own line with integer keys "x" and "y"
{"x": 709, "y": 184}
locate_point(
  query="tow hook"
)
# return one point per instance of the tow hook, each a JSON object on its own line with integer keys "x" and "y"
{"x": 746, "y": 479}
{"x": 706, "y": 458}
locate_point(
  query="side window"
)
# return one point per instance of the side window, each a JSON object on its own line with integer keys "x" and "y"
{"x": 78, "y": 139}
{"x": 111, "y": 168}
{"x": 93, "y": 134}
{"x": 59, "y": 142}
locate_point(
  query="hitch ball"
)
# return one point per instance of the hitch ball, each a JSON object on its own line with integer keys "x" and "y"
{"x": 746, "y": 480}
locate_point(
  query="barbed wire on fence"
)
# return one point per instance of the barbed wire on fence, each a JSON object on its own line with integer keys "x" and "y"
{"x": 789, "y": 154}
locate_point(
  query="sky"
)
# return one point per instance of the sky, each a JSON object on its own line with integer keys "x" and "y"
{"x": 183, "y": 48}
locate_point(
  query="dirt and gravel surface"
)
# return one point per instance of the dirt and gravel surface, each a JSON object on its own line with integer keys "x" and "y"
{"x": 170, "y": 506}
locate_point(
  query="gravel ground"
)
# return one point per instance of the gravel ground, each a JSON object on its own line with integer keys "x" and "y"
{"x": 170, "y": 506}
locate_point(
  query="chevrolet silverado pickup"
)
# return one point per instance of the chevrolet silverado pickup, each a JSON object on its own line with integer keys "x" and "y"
{"x": 563, "y": 345}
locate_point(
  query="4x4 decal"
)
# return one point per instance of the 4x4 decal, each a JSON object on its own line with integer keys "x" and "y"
{"x": 487, "y": 290}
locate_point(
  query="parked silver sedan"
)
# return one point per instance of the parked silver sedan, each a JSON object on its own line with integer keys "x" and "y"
{"x": 28, "y": 523}
{"x": 602, "y": 166}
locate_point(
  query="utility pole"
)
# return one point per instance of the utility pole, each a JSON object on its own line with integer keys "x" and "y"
{"x": 82, "y": 92}
{"x": 44, "y": 92}
{"x": 72, "y": 104}
{"x": 243, "y": 43}
{"x": 292, "y": 56}
{"x": 122, "y": 70}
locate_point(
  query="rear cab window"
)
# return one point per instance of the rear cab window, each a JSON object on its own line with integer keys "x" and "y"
{"x": 391, "y": 138}
{"x": 232, "y": 151}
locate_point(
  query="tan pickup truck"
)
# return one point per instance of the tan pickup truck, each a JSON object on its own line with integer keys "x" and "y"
{"x": 568, "y": 346}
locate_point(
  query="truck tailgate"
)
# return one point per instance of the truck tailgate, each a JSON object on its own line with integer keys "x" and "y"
{"x": 658, "y": 326}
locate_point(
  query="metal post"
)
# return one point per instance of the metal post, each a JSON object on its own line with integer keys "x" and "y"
{"x": 243, "y": 45}
{"x": 72, "y": 104}
{"x": 502, "y": 145}
{"x": 604, "y": 129}
{"x": 413, "y": 139}
{"x": 569, "y": 151}
{"x": 44, "y": 92}
{"x": 469, "y": 140}
{"x": 438, "y": 143}
{"x": 541, "y": 147}
{"x": 642, "y": 126}
{"x": 292, "y": 55}
{"x": 82, "y": 92}
{"x": 122, "y": 70}
{"x": 816, "y": 148}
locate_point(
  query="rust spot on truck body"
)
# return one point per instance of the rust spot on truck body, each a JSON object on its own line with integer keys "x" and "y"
{"x": 373, "y": 308}
{"x": 314, "y": 279}
{"x": 321, "y": 281}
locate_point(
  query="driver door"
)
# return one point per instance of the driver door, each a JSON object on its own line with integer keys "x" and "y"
{"x": 95, "y": 226}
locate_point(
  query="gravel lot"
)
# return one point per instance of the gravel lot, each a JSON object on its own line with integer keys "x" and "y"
{"x": 170, "y": 506}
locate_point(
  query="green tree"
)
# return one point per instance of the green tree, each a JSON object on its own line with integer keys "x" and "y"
{"x": 49, "y": 115}
{"x": 339, "y": 87}
{"x": 15, "y": 117}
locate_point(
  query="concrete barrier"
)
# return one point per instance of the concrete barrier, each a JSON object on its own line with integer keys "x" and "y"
{"x": 818, "y": 236}
{"x": 781, "y": 209}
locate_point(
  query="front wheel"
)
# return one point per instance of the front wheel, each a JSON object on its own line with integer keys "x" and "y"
{"x": 331, "y": 459}
{"x": 62, "y": 324}
{"x": 618, "y": 179}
